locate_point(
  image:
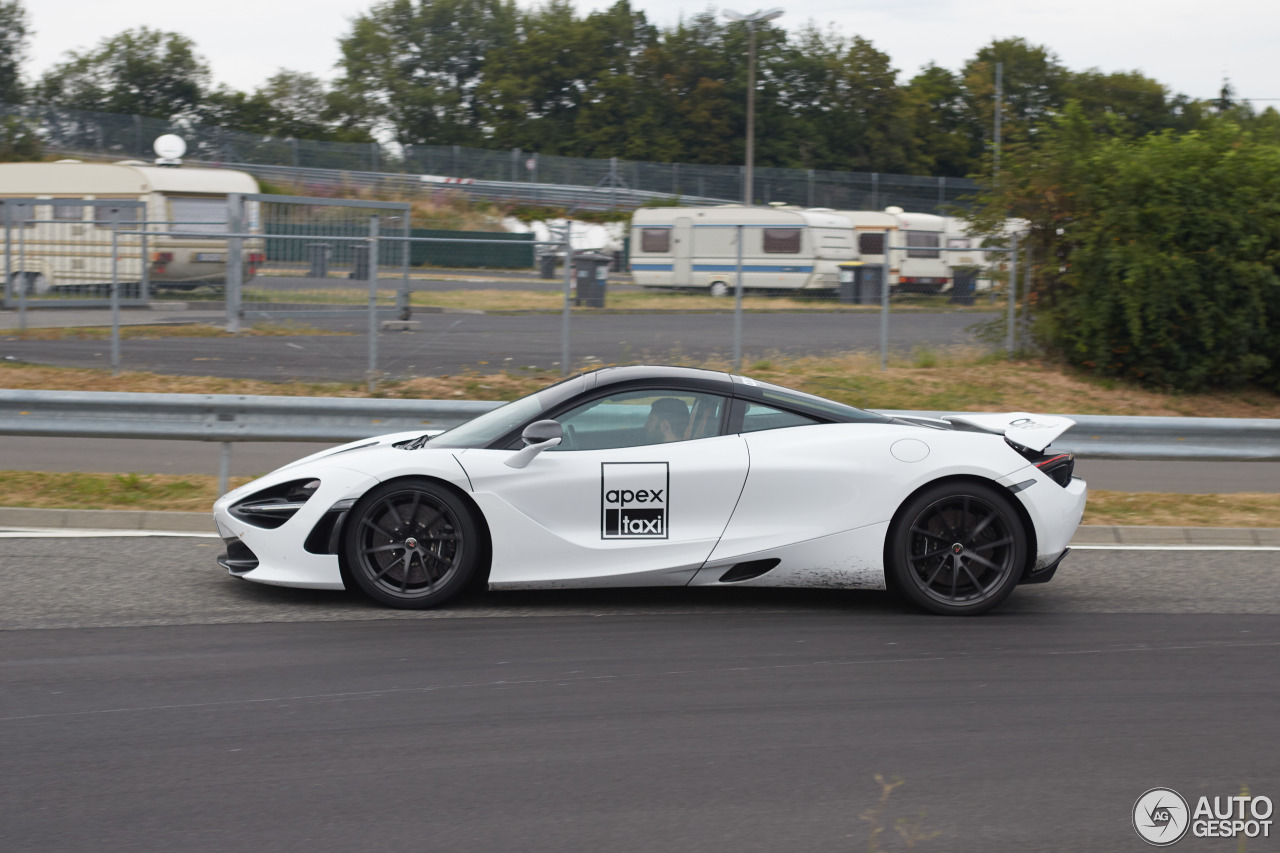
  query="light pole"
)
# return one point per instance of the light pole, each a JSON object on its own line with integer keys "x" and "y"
{"x": 751, "y": 21}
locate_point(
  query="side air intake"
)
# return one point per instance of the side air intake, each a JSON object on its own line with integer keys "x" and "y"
{"x": 749, "y": 570}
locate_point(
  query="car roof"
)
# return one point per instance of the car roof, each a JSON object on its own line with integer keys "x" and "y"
{"x": 665, "y": 374}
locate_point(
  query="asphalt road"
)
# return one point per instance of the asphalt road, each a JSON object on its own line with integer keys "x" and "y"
{"x": 149, "y": 702}
{"x": 455, "y": 343}
{"x": 31, "y": 453}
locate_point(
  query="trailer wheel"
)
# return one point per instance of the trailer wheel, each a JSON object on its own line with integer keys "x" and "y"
{"x": 718, "y": 289}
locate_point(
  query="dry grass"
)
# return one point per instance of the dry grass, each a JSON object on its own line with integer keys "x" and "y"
{"x": 175, "y": 330}
{"x": 1245, "y": 509}
{"x": 56, "y": 490}
{"x": 950, "y": 380}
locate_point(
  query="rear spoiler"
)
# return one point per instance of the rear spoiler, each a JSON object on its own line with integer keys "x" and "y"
{"x": 1034, "y": 432}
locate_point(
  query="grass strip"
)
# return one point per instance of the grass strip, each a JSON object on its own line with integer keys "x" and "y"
{"x": 929, "y": 380}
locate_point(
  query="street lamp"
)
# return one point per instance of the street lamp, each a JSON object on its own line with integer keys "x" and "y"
{"x": 751, "y": 21}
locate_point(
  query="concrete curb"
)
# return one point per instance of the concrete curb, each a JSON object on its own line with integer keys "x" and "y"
{"x": 202, "y": 522}
{"x": 108, "y": 519}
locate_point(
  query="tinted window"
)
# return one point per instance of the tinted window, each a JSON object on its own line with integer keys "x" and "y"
{"x": 784, "y": 241}
{"x": 120, "y": 217}
{"x": 655, "y": 239}
{"x": 759, "y": 417}
{"x": 638, "y": 418}
{"x": 199, "y": 215}
{"x": 919, "y": 244}
{"x": 871, "y": 244}
{"x": 69, "y": 211}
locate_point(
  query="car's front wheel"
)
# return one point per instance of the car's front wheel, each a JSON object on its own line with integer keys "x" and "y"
{"x": 412, "y": 543}
{"x": 957, "y": 548}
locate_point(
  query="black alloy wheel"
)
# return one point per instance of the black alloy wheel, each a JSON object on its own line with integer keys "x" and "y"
{"x": 411, "y": 543}
{"x": 958, "y": 548}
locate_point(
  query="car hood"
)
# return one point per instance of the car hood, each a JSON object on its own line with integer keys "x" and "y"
{"x": 362, "y": 444}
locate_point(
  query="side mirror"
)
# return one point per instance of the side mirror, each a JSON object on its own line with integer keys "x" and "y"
{"x": 537, "y": 436}
{"x": 539, "y": 432}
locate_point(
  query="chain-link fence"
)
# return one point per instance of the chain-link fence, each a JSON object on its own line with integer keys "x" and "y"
{"x": 344, "y": 290}
{"x": 627, "y": 183}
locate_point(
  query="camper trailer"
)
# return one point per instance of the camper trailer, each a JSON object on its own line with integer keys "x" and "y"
{"x": 782, "y": 249}
{"x": 914, "y": 239}
{"x": 61, "y": 239}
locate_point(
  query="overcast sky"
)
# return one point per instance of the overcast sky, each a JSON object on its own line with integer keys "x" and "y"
{"x": 1188, "y": 45}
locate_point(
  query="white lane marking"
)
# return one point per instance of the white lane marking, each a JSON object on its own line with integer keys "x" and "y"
{"x": 61, "y": 533}
{"x": 1175, "y": 547}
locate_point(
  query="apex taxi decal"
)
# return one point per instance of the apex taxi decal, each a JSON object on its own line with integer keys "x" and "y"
{"x": 633, "y": 500}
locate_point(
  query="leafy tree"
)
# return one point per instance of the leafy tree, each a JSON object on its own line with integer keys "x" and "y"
{"x": 14, "y": 32}
{"x": 1159, "y": 257}
{"x": 141, "y": 72}
{"x": 413, "y": 66}
{"x": 1034, "y": 86}
{"x": 290, "y": 104}
{"x": 941, "y": 136}
{"x": 18, "y": 141}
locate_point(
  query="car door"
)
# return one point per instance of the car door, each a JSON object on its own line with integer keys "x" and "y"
{"x": 629, "y": 498}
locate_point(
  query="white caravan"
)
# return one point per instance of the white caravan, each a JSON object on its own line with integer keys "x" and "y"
{"x": 917, "y": 264}
{"x": 783, "y": 248}
{"x": 68, "y": 245}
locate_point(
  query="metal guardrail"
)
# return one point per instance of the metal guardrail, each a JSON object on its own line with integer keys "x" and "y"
{"x": 227, "y": 418}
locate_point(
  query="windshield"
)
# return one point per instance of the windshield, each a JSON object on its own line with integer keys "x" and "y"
{"x": 491, "y": 426}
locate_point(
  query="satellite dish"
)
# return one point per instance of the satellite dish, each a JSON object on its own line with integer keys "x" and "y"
{"x": 169, "y": 148}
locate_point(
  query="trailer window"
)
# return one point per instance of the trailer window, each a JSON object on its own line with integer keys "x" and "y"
{"x": 68, "y": 211}
{"x": 199, "y": 215}
{"x": 125, "y": 218}
{"x": 871, "y": 244}
{"x": 655, "y": 239}
{"x": 923, "y": 244}
{"x": 782, "y": 241}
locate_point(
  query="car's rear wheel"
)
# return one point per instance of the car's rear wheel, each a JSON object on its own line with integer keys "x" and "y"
{"x": 957, "y": 548}
{"x": 412, "y": 543}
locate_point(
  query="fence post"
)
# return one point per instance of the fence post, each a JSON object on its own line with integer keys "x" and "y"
{"x": 20, "y": 281}
{"x": 403, "y": 308}
{"x": 737, "y": 309}
{"x": 1024, "y": 338}
{"x": 235, "y": 261}
{"x": 224, "y": 469}
{"x": 115, "y": 290}
{"x": 884, "y": 300}
{"x": 1013, "y": 297}
{"x": 875, "y": 191}
{"x": 137, "y": 135}
{"x": 373, "y": 304}
{"x": 6, "y": 287}
{"x": 810, "y": 173}
{"x": 568, "y": 285}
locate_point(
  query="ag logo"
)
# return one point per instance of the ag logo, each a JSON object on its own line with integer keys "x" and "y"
{"x": 1161, "y": 817}
{"x": 633, "y": 500}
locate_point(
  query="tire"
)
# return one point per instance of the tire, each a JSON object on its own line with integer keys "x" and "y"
{"x": 29, "y": 283}
{"x": 957, "y": 548}
{"x": 718, "y": 289}
{"x": 412, "y": 544}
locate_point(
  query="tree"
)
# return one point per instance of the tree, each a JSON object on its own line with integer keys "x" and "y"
{"x": 414, "y": 67}
{"x": 141, "y": 72}
{"x": 941, "y": 136}
{"x": 14, "y": 32}
{"x": 1159, "y": 257}
{"x": 1034, "y": 84}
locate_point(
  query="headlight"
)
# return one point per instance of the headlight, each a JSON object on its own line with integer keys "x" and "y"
{"x": 272, "y": 507}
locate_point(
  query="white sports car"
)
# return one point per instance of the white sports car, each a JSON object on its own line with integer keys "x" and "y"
{"x": 669, "y": 476}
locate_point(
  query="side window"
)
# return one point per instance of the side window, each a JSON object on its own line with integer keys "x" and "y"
{"x": 871, "y": 244}
{"x": 655, "y": 239}
{"x": 923, "y": 244}
{"x": 759, "y": 417}
{"x": 782, "y": 241}
{"x": 68, "y": 211}
{"x": 638, "y": 418}
{"x": 123, "y": 218}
